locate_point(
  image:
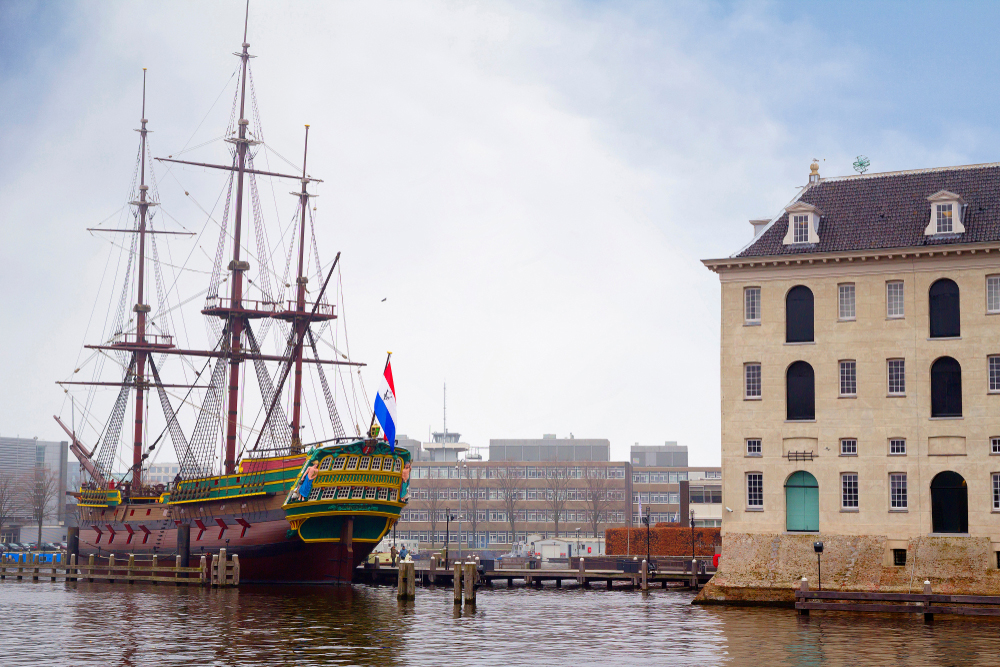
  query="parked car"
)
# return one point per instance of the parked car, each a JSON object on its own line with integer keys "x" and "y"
{"x": 63, "y": 546}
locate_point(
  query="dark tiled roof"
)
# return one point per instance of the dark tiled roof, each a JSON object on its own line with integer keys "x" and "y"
{"x": 891, "y": 211}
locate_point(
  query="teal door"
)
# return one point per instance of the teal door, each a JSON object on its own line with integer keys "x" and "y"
{"x": 801, "y": 502}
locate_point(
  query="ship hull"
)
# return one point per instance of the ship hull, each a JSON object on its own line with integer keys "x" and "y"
{"x": 269, "y": 551}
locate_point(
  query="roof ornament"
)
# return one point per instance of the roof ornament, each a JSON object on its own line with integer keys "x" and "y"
{"x": 814, "y": 171}
{"x": 861, "y": 164}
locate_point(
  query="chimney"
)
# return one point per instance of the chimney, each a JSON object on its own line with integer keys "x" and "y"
{"x": 759, "y": 225}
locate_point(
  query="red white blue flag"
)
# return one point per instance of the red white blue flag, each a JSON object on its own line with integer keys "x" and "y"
{"x": 385, "y": 406}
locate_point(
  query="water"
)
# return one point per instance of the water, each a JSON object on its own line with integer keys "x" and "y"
{"x": 80, "y": 624}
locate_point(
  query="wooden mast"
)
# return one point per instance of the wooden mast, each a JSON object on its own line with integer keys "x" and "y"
{"x": 140, "y": 308}
{"x": 301, "y": 322}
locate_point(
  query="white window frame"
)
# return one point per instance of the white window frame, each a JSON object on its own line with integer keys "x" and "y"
{"x": 849, "y": 493}
{"x": 898, "y": 495}
{"x": 755, "y": 490}
{"x": 996, "y": 491}
{"x": 751, "y": 305}
{"x": 751, "y": 383}
{"x": 995, "y": 444}
{"x": 847, "y": 310}
{"x": 848, "y": 377}
{"x": 800, "y": 228}
{"x": 754, "y": 447}
{"x": 902, "y": 451}
{"x": 848, "y": 446}
{"x": 901, "y": 391}
{"x": 993, "y": 294}
{"x": 993, "y": 371}
{"x": 944, "y": 218}
{"x": 895, "y": 303}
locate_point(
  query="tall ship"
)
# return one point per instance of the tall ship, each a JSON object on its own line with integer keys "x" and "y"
{"x": 255, "y": 413}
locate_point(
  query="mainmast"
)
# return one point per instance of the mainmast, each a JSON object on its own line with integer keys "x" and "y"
{"x": 301, "y": 322}
{"x": 238, "y": 267}
{"x": 140, "y": 307}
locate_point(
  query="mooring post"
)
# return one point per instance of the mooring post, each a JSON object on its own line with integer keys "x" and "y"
{"x": 128, "y": 573}
{"x": 213, "y": 570}
{"x": 223, "y": 568}
{"x": 433, "y": 566}
{"x": 694, "y": 573}
{"x": 411, "y": 581}
{"x": 202, "y": 575}
{"x": 72, "y": 567}
{"x": 236, "y": 569}
{"x": 804, "y": 587}
{"x": 73, "y": 542}
{"x": 470, "y": 584}
{"x": 645, "y": 576}
{"x": 928, "y": 618}
{"x": 90, "y": 568}
{"x": 406, "y": 586}
{"x": 152, "y": 571}
{"x": 581, "y": 568}
{"x": 457, "y": 582}
{"x": 34, "y": 572}
{"x": 177, "y": 569}
{"x": 184, "y": 544}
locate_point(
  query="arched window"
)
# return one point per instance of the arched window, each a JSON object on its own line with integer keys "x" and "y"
{"x": 799, "y": 315}
{"x": 800, "y": 391}
{"x": 946, "y": 388}
{"x": 944, "y": 309}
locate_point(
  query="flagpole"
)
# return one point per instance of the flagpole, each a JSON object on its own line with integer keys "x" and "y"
{"x": 388, "y": 357}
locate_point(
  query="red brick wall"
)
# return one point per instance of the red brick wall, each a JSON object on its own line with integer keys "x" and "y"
{"x": 665, "y": 540}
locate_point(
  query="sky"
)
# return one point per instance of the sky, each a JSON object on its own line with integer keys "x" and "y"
{"x": 529, "y": 186}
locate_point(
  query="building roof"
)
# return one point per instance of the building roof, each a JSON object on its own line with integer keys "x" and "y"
{"x": 889, "y": 210}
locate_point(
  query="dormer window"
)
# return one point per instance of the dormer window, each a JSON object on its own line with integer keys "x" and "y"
{"x": 803, "y": 224}
{"x": 800, "y": 229}
{"x": 944, "y": 219}
{"x": 946, "y": 214}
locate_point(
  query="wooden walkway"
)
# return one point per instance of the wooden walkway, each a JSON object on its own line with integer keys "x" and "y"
{"x": 217, "y": 572}
{"x": 387, "y": 576}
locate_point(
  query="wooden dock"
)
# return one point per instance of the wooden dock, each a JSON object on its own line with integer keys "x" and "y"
{"x": 218, "y": 571}
{"x": 926, "y": 603}
{"x": 611, "y": 579}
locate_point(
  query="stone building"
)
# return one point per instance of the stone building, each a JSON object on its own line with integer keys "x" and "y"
{"x": 860, "y": 351}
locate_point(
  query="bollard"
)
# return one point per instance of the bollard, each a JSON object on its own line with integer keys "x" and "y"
{"x": 804, "y": 587}
{"x": 433, "y": 567}
{"x": 457, "y": 581}
{"x": 470, "y": 584}
{"x": 152, "y": 571}
{"x": 645, "y": 576}
{"x": 694, "y": 573}
{"x": 236, "y": 569}
{"x": 213, "y": 572}
{"x": 581, "y": 568}
{"x": 90, "y": 568}
{"x": 111, "y": 565}
{"x": 406, "y": 585}
{"x": 202, "y": 575}
{"x": 128, "y": 573}
{"x": 476, "y": 581}
{"x": 928, "y": 618}
{"x": 177, "y": 569}
{"x": 223, "y": 568}
{"x": 72, "y": 567}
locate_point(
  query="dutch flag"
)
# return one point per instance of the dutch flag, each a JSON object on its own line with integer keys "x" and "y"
{"x": 385, "y": 406}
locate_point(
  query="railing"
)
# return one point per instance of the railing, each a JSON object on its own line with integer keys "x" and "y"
{"x": 219, "y": 572}
{"x": 800, "y": 456}
{"x": 153, "y": 340}
{"x": 272, "y": 307}
{"x": 926, "y": 603}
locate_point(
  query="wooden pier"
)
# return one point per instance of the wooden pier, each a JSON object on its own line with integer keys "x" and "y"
{"x": 217, "y": 571}
{"x": 675, "y": 577}
{"x": 926, "y": 603}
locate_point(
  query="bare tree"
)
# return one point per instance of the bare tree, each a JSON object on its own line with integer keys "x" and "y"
{"x": 509, "y": 490}
{"x": 477, "y": 487}
{"x": 600, "y": 496}
{"x": 8, "y": 498}
{"x": 37, "y": 490}
{"x": 556, "y": 496}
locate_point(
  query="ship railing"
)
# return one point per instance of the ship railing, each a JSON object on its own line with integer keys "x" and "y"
{"x": 270, "y": 307}
{"x": 132, "y": 338}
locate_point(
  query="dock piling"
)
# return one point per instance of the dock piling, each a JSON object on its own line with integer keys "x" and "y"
{"x": 928, "y": 618}
{"x": 177, "y": 573}
{"x": 804, "y": 587}
{"x": 470, "y": 584}
{"x": 111, "y": 567}
{"x": 406, "y": 585}
{"x": 90, "y": 567}
{"x": 645, "y": 576}
{"x": 128, "y": 573}
{"x": 457, "y": 581}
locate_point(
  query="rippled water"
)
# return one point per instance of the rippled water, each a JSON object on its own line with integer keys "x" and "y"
{"x": 100, "y": 624}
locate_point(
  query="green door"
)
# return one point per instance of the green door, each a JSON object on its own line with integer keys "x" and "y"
{"x": 801, "y": 502}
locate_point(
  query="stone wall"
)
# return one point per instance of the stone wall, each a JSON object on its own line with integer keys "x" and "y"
{"x": 767, "y": 568}
{"x": 665, "y": 540}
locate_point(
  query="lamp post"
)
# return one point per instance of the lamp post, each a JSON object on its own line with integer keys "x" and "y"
{"x": 646, "y": 520}
{"x": 578, "y": 554}
{"x": 447, "y": 534}
{"x": 818, "y": 548}
{"x": 461, "y": 468}
{"x": 693, "y": 555}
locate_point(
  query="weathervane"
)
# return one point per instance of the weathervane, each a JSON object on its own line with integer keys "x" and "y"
{"x": 861, "y": 164}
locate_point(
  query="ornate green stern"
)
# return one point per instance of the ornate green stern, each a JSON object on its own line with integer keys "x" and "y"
{"x": 363, "y": 480}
